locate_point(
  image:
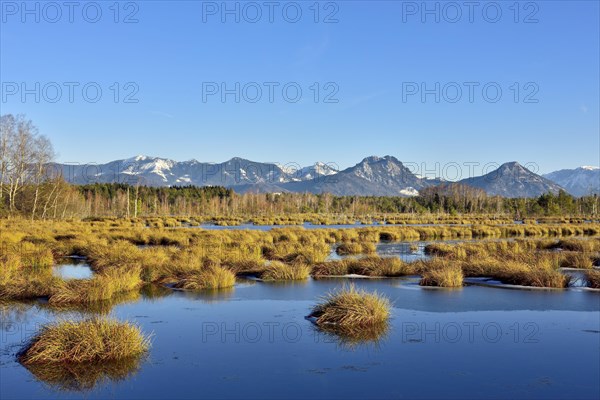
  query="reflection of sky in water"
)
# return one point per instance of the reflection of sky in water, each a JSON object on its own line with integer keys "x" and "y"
{"x": 72, "y": 268}
{"x": 254, "y": 341}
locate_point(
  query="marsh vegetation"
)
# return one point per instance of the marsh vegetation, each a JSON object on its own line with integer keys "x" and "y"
{"x": 134, "y": 258}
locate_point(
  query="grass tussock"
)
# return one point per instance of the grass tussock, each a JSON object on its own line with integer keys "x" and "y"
{"x": 208, "y": 278}
{"x": 576, "y": 260}
{"x": 443, "y": 274}
{"x": 352, "y": 307}
{"x": 593, "y": 279}
{"x": 278, "y": 271}
{"x": 374, "y": 266}
{"x": 90, "y": 341}
{"x": 355, "y": 248}
{"x": 20, "y": 282}
{"x": 104, "y": 286}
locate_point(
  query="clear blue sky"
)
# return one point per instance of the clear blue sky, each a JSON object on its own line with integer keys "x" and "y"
{"x": 372, "y": 54}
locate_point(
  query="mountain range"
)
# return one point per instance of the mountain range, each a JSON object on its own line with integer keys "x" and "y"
{"x": 579, "y": 181}
{"x": 373, "y": 176}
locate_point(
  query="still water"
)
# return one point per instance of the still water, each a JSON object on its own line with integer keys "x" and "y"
{"x": 73, "y": 268}
{"x": 254, "y": 341}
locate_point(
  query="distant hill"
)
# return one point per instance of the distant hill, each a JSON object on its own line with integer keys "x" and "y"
{"x": 373, "y": 176}
{"x": 579, "y": 181}
{"x": 512, "y": 180}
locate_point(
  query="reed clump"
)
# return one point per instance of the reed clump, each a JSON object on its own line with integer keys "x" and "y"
{"x": 213, "y": 277}
{"x": 374, "y": 266}
{"x": 89, "y": 341}
{"x": 278, "y": 271}
{"x": 443, "y": 274}
{"x": 103, "y": 286}
{"x": 576, "y": 260}
{"x": 593, "y": 279}
{"x": 20, "y": 282}
{"x": 351, "y": 307}
{"x": 355, "y": 248}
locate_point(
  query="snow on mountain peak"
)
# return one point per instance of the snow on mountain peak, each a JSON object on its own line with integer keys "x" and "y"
{"x": 589, "y": 168}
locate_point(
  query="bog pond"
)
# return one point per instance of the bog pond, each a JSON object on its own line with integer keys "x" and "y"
{"x": 253, "y": 341}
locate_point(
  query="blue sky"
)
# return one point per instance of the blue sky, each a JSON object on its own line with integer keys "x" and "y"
{"x": 374, "y": 57}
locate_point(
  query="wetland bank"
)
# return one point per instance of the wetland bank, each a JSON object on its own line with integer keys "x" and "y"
{"x": 410, "y": 301}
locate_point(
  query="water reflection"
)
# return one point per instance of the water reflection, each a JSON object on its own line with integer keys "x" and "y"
{"x": 155, "y": 292}
{"x": 73, "y": 268}
{"x": 207, "y": 295}
{"x": 348, "y": 338}
{"x": 216, "y": 335}
{"x": 80, "y": 377}
{"x": 103, "y": 307}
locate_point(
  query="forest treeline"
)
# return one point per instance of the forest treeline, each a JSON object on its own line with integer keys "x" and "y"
{"x": 60, "y": 200}
{"x": 28, "y": 189}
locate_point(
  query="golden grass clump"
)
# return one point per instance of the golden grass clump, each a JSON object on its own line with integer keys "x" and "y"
{"x": 208, "y": 278}
{"x": 443, "y": 274}
{"x": 355, "y": 248}
{"x": 374, "y": 266}
{"x": 576, "y": 260}
{"x": 351, "y": 307}
{"x": 378, "y": 266}
{"x": 119, "y": 254}
{"x": 538, "y": 272}
{"x": 18, "y": 282}
{"x": 89, "y": 341}
{"x": 103, "y": 286}
{"x": 576, "y": 245}
{"x": 278, "y": 271}
{"x": 593, "y": 279}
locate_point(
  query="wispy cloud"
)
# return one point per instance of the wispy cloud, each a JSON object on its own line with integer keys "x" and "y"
{"x": 358, "y": 100}
{"x": 312, "y": 51}
{"x": 163, "y": 114}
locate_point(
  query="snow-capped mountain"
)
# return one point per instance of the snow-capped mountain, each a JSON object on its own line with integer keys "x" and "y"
{"x": 373, "y": 176}
{"x": 318, "y": 170}
{"x": 579, "y": 181}
{"x": 513, "y": 180}
{"x": 155, "y": 171}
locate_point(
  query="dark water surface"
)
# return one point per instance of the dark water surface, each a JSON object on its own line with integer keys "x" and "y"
{"x": 253, "y": 341}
